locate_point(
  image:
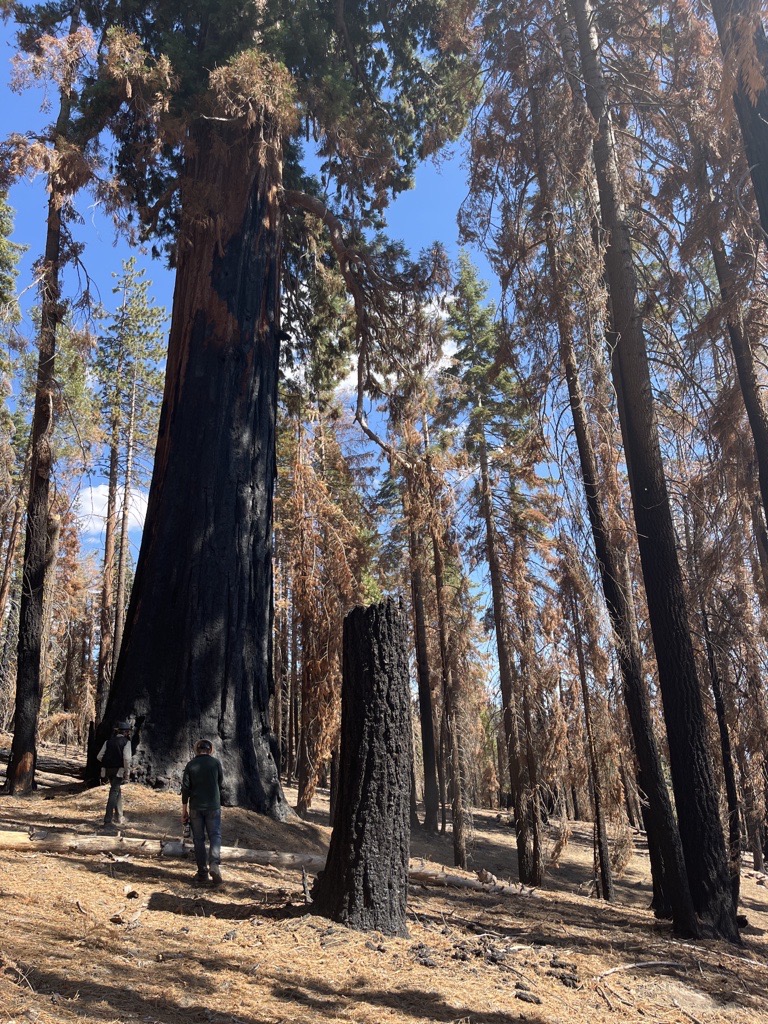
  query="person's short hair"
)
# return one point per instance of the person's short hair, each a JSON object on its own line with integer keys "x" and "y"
{"x": 203, "y": 747}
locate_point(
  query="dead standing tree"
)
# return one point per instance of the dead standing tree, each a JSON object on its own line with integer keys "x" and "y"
{"x": 365, "y": 881}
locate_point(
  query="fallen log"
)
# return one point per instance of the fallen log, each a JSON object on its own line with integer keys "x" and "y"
{"x": 70, "y": 842}
{"x": 61, "y": 842}
{"x": 267, "y": 858}
{"x": 420, "y": 873}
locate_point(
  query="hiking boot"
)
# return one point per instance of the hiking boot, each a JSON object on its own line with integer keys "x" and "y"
{"x": 215, "y": 872}
{"x": 199, "y": 881}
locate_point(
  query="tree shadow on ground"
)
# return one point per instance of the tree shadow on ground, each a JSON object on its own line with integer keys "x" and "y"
{"x": 125, "y": 997}
{"x": 412, "y": 1002}
{"x": 494, "y": 849}
{"x": 135, "y": 871}
{"x": 140, "y": 872}
{"x": 204, "y": 906}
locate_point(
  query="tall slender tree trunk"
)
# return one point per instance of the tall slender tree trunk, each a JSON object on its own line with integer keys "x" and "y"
{"x": 196, "y": 656}
{"x": 442, "y": 784}
{"x": 692, "y": 770}
{"x": 426, "y": 711}
{"x": 729, "y": 770}
{"x": 125, "y": 520}
{"x": 531, "y": 796}
{"x": 106, "y": 619}
{"x": 450, "y": 696}
{"x": 671, "y": 888}
{"x": 54, "y": 535}
{"x": 601, "y": 830}
{"x": 450, "y": 700}
{"x": 514, "y": 756}
{"x": 281, "y": 673}
{"x": 293, "y": 696}
{"x": 20, "y": 774}
{"x": 12, "y": 545}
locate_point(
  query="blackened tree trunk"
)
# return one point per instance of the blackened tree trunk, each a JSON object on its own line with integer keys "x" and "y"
{"x": 365, "y": 881}
{"x": 426, "y": 711}
{"x": 104, "y": 678}
{"x": 670, "y": 881}
{"x": 125, "y": 514}
{"x": 690, "y": 760}
{"x": 740, "y": 28}
{"x": 606, "y": 890}
{"x": 20, "y": 774}
{"x": 450, "y": 715}
{"x": 517, "y": 771}
{"x": 729, "y": 769}
{"x": 196, "y": 654}
{"x": 12, "y": 545}
{"x": 293, "y": 697}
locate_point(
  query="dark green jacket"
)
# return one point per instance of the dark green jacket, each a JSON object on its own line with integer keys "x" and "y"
{"x": 201, "y": 783}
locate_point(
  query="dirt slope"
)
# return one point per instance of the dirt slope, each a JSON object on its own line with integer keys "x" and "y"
{"x": 74, "y": 945}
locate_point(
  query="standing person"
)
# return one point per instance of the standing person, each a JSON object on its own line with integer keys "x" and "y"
{"x": 201, "y": 789}
{"x": 115, "y": 759}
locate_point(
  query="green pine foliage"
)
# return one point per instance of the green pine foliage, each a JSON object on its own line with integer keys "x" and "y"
{"x": 129, "y": 365}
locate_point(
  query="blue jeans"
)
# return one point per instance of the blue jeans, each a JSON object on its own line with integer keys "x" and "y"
{"x": 202, "y": 822}
{"x": 114, "y": 801}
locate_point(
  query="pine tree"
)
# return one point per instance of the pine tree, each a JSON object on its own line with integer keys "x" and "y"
{"x": 130, "y": 384}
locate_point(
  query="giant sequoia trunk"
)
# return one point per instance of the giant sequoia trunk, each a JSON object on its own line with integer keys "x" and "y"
{"x": 196, "y": 651}
{"x": 692, "y": 770}
{"x": 365, "y": 881}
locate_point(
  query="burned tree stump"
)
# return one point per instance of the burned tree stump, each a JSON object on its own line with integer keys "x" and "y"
{"x": 365, "y": 881}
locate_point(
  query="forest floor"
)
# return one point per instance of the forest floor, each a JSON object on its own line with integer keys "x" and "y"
{"x": 75, "y": 946}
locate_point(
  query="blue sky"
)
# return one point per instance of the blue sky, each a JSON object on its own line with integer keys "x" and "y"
{"x": 419, "y": 217}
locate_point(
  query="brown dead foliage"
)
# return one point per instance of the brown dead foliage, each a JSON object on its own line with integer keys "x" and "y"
{"x": 94, "y": 939}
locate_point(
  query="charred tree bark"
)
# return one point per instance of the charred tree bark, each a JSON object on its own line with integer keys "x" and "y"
{"x": 196, "y": 653}
{"x": 514, "y": 758}
{"x": 426, "y": 711}
{"x": 450, "y": 717}
{"x": 54, "y": 536}
{"x": 365, "y": 881}
{"x": 20, "y": 774}
{"x": 670, "y": 882}
{"x": 104, "y": 678}
{"x": 729, "y": 771}
{"x": 293, "y": 697}
{"x": 692, "y": 770}
{"x": 13, "y": 537}
{"x": 122, "y": 556}
{"x": 601, "y": 831}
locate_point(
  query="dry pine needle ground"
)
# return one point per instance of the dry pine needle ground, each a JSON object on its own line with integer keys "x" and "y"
{"x": 89, "y": 938}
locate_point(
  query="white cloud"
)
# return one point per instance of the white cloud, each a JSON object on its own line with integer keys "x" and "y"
{"x": 91, "y": 509}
